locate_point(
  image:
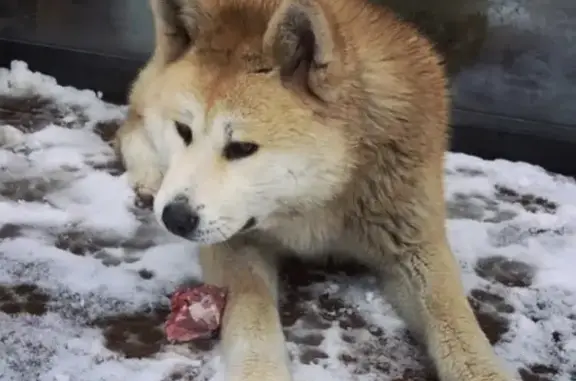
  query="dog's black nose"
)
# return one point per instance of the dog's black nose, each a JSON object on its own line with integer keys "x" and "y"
{"x": 179, "y": 218}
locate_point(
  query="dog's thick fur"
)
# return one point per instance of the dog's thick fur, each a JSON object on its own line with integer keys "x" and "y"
{"x": 349, "y": 109}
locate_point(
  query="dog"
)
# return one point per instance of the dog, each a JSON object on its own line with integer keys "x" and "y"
{"x": 266, "y": 127}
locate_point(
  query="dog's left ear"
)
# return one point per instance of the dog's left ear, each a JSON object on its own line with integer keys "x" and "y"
{"x": 304, "y": 45}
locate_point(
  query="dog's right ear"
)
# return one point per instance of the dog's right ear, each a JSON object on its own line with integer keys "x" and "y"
{"x": 176, "y": 24}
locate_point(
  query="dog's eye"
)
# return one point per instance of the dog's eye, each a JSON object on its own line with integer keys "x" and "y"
{"x": 239, "y": 150}
{"x": 185, "y": 132}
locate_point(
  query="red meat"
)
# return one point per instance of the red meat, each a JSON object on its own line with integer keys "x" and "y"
{"x": 196, "y": 313}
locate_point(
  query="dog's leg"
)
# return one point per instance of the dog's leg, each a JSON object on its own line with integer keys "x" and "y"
{"x": 139, "y": 158}
{"x": 252, "y": 340}
{"x": 425, "y": 287}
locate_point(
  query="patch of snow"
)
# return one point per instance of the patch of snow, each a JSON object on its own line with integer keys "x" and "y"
{"x": 19, "y": 81}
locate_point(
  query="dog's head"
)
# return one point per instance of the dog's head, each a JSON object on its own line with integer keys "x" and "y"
{"x": 236, "y": 101}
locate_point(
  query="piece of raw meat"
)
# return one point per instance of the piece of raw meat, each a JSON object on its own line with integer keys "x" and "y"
{"x": 196, "y": 313}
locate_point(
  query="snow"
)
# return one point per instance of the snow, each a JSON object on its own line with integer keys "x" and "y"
{"x": 60, "y": 346}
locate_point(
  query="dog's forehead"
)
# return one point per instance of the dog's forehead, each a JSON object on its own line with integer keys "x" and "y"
{"x": 226, "y": 103}
{"x": 218, "y": 118}
{"x": 232, "y": 105}
{"x": 221, "y": 124}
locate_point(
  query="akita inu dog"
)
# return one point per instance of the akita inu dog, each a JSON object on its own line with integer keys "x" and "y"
{"x": 314, "y": 126}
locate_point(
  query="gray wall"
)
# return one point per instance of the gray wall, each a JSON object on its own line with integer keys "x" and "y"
{"x": 527, "y": 66}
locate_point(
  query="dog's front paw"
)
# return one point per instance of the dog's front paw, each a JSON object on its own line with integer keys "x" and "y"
{"x": 144, "y": 199}
{"x": 145, "y": 185}
{"x": 263, "y": 378}
{"x": 279, "y": 374}
{"x": 140, "y": 160}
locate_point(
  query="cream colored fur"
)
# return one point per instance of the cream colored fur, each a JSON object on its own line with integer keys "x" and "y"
{"x": 349, "y": 108}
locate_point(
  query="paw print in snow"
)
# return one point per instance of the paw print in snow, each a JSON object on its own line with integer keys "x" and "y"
{"x": 23, "y": 298}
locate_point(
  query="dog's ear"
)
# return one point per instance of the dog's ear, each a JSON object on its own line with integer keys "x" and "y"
{"x": 176, "y": 24}
{"x": 303, "y": 43}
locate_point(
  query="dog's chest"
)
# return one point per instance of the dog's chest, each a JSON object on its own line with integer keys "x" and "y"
{"x": 309, "y": 236}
